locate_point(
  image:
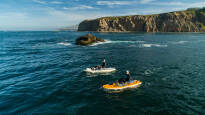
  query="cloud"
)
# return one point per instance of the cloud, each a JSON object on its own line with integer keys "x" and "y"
{"x": 114, "y": 3}
{"x": 51, "y": 20}
{"x": 111, "y": 3}
{"x": 146, "y": 1}
{"x": 17, "y": 20}
{"x": 150, "y": 11}
{"x": 163, "y": 7}
{"x": 180, "y": 4}
{"x": 169, "y": 3}
{"x": 44, "y": 2}
{"x": 197, "y": 4}
{"x": 39, "y": 1}
{"x": 81, "y": 7}
{"x": 56, "y": 2}
{"x": 53, "y": 17}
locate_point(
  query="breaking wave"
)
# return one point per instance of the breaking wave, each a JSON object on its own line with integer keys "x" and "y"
{"x": 180, "y": 42}
{"x": 64, "y": 43}
{"x": 115, "y": 42}
{"x": 152, "y": 45}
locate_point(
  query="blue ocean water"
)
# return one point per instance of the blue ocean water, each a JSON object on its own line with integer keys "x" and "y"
{"x": 42, "y": 73}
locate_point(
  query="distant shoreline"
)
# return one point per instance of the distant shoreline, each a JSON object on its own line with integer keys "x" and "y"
{"x": 104, "y": 32}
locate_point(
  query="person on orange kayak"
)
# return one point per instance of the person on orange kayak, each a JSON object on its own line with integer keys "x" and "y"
{"x": 127, "y": 79}
{"x": 124, "y": 80}
{"x": 103, "y": 64}
{"x": 121, "y": 81}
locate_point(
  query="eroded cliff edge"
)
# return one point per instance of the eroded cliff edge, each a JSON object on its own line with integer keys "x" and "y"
{"x": 191, "y": 20}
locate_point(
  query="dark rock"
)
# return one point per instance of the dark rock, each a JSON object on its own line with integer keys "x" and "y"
{"x": 88, "y": 40}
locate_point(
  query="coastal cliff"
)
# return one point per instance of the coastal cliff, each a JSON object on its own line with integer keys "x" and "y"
{"x": 191, "y": 20}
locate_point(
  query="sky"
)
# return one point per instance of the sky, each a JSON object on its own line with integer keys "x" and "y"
{"x": 54, "y": 14}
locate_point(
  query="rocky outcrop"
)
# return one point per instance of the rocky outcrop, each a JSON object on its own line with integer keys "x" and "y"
{"x": 191, "y": 20}
{"x": 88, "y": 40}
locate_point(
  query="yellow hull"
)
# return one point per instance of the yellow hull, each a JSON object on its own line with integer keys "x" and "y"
{"x": 115, "y": 87}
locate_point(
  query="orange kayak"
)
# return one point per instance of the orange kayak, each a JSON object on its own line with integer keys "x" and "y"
{"x": 127, "y": 85}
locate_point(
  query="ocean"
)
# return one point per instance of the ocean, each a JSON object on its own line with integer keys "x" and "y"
{"x": 42, "y": 72}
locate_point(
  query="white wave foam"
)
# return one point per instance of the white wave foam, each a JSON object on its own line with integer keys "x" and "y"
{"x": 152, "y": 45}
{"x": 180, "y": 42}
{"x": 99, "y": 43}
{"x": 64, "y": 43}
{"x": 200, "y": 41}
{"x": 110, "y": 42}
{"x": 148, "y": 72}
{"x": 127, "y": 41}
{"x": 132, "y": 46}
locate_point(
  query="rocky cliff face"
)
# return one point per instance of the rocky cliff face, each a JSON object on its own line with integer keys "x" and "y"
{"x": 191, "y": 20}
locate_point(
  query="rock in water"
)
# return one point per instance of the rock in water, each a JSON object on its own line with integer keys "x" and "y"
{"x": 88, "y": 40}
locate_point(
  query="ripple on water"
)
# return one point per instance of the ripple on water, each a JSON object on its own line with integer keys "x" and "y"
{"x": 42, "y": 73}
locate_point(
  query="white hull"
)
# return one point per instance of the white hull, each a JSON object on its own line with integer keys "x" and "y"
{"x": 103, "y": 70}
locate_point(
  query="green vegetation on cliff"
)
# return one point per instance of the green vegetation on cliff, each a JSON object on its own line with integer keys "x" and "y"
{"x": 190, "y": 20}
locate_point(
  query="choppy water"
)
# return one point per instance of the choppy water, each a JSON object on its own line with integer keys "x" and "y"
{"x": 42, "y": 73}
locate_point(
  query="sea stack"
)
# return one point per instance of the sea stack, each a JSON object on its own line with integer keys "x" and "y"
{"x": 88, "y": 39}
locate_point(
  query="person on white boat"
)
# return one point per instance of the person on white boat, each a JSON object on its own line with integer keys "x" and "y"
{"x": 103, "y": 64}
{"x": 98, "y": 67}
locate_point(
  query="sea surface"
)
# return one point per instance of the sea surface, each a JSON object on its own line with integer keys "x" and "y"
{"x": 42, "y": 72}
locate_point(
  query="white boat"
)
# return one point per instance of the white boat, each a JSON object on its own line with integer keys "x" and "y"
{"x": 102, "y": 70}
